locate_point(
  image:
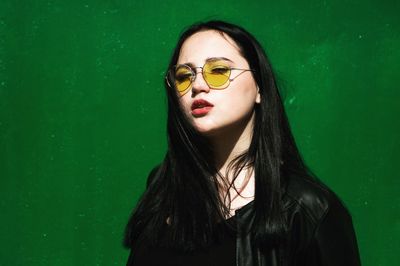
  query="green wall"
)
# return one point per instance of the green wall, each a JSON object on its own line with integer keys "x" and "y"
{"x": 82, "y": 113}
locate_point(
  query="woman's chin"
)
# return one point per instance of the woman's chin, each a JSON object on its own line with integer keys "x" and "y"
{"x": 212, "y": 132}
{"x": 206, "y": 130}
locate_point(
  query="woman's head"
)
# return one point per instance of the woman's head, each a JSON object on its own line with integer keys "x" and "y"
{"x": 220, "y": 90}
{"x": 250, "y": 101}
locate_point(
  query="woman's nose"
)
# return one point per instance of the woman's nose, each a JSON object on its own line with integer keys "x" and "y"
{"x": 199, "y": 84}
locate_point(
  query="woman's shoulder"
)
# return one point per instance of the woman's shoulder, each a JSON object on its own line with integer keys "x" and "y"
{"x": 320, "y": 224}
{"x": 312, "y": 197}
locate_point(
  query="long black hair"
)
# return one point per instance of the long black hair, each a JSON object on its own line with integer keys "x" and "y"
{"x": 183, "y": 190}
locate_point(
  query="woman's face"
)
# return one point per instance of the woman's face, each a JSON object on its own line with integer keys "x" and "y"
{"x": 215, "y": 112}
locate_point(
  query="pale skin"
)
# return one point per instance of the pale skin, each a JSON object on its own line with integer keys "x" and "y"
{"x": 229, "y": 124}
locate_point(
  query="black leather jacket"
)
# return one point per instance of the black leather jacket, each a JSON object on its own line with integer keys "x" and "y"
{"x": 321, "y": 230}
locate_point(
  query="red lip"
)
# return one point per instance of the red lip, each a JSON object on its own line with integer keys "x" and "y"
{"x": 201, "y": 107}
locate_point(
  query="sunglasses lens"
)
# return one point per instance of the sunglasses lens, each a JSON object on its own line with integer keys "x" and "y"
{"x": 183, "y": 78}
{"x": 216, "y": 74}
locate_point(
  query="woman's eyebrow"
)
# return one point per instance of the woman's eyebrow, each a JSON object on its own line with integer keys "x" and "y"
{"x": 209, "y": 59}
{"x": 218, "y": 58}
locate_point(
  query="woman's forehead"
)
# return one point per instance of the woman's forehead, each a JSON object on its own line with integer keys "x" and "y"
{"x": 208, "y": 44}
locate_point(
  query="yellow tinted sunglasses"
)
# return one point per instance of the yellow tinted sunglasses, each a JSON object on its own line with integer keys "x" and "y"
{"x": 216, "y": 74}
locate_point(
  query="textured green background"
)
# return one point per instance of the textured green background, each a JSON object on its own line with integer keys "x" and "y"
{"x": 82, "y": 113}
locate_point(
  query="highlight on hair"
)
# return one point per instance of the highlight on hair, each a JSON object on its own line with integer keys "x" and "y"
{"x": 182, "y": 205}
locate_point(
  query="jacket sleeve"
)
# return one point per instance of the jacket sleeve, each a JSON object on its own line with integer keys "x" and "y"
{"x": 334, "y": 242}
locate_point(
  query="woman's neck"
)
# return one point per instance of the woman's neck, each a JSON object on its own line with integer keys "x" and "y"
{"x": 230, "y": 143}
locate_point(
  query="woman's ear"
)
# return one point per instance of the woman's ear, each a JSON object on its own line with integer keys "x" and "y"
{"x": 258, "y": 97}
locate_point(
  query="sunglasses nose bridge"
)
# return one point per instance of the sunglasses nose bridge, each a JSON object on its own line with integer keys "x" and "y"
{"x": 195, "y": 72}
{"x": 199, "y": 84}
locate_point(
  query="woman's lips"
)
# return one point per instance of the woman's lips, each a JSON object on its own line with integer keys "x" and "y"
{"x": 201, "y": 107}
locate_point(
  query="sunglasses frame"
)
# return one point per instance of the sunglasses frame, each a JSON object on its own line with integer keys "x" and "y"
{"x": 194, "y": 75}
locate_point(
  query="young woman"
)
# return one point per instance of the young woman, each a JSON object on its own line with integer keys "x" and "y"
{"x": 233, "y": 188}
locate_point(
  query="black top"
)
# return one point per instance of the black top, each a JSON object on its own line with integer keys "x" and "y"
{"x": 222, "y": 252}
